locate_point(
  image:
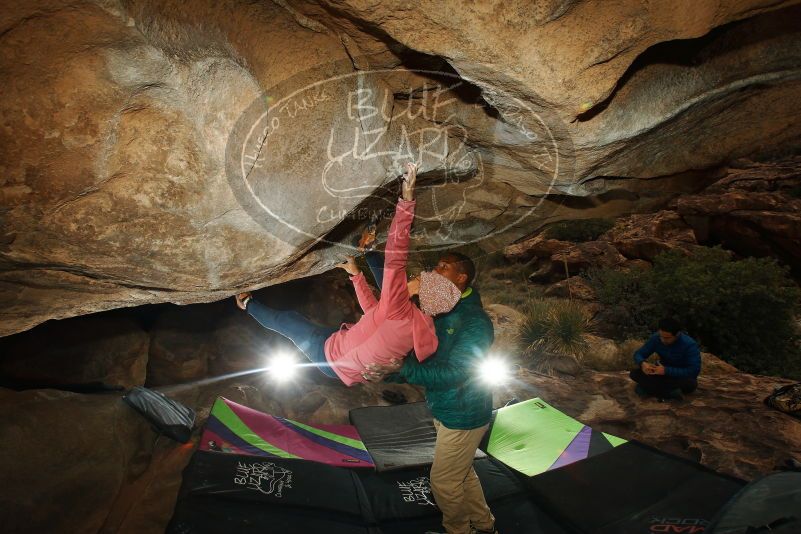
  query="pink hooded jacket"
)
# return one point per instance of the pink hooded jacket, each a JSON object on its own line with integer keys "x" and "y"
{"x": 391, "y": 326}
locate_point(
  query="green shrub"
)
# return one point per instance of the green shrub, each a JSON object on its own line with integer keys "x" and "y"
{"x": 579, "y": 230}
{"x": 628, "y": 310}
{"x": 742, "y": 311}
{"x": 554, "y": 327}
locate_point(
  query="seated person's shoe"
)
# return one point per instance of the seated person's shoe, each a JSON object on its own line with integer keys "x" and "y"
{"x": 640, "y": 391}
{"x": 673, "y": 394}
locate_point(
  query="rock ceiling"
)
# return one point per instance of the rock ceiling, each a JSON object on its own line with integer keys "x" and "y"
{"x": 181, "y": 151}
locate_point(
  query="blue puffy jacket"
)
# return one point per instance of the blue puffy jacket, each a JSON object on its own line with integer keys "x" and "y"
{"x": 680, "y": 359}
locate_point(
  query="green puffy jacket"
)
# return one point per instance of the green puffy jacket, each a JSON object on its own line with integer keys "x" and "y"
{"x": 454, "y": 392}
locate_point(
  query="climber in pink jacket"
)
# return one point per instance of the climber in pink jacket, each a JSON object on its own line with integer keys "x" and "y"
{"x": 391, "y": 325}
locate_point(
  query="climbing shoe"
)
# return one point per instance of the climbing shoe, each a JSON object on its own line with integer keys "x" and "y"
{"x": 366, "y": 240}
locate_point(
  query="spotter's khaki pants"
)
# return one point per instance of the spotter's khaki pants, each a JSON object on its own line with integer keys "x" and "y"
{"x": 454, "y": 483}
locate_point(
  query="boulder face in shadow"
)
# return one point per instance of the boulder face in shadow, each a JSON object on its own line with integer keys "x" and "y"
{"x": 69, "y": 452}
{"x": 97, "y": 351}
{"x": 182, "y": 343}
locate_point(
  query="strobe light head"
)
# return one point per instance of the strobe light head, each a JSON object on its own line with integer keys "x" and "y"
{"x": 494, "y": 370}
{"x": 282, "y": 367}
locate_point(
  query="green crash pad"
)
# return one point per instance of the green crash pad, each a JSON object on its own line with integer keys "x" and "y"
{"x": 533, "y": 437}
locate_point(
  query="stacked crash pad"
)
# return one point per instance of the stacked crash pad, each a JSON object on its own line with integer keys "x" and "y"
{"x": 545, "y": 473}
{"x": 236, "y": 429}
{"x": 398, "y": 436}
{"x": 235, "y": 493}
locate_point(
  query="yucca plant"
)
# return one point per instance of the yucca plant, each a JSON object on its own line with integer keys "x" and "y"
{"x": 552, "y": 330}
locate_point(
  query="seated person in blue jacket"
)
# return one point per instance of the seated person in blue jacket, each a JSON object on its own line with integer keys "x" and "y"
{"x": 677, "y": 369}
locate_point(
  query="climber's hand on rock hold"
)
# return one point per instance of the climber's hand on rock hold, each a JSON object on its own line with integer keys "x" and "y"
{"x": 350, "y": 266}
{"x": 409, "y": 179}
{"x": 242, "y": 300}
